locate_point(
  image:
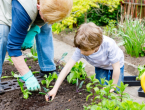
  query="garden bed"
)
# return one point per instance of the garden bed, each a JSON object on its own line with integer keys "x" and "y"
{"x": 66, "y": 98}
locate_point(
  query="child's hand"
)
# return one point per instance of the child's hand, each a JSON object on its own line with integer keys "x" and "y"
{"x": 50, "y": 95}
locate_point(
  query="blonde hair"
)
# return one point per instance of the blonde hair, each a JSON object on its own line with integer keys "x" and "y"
{"x": 88, "y": 37}
{"x": 55, "y": 10}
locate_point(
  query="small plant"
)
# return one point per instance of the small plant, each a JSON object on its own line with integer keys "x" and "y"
{"x": 48, "y": 79}
{"x": 110, "y": 29}
{"x": 45, "y": 92}
{"x": 77, "y": 71}
{"x": 25, "y": 92}
{"x": 61, "y": 59}
{"x": 79, "y": 86}
{"x": 25, "y": 59}
{"x": 141, "y": 70}
{"x": 10, "y": 60}
{"x": 33, "y": 51}
{"x": 13, "y": 75}
{"x": 121, "y": 92}
{"x": 107, "y": 100}
{"x": 29, "y": 67}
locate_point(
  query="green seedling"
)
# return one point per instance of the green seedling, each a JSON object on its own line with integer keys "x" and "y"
{"x": 29, "y": 67}
{"x": 25, "y": 92}
{"x": 62, "y": 57}
{"x": 121, "y": 92}
{"x": 10, "y": 60}
{"x": 25, "y": 59}
{"x": 48, "y": 79}
{"x": 79, "y": 86}
{"x": 33, "y": 51}
{"x": 141, "y": 70}
{"x": 45, "y": 92}
{"x": 35, "y": 72}
{"x": 13, "y": 75}
{"x": 93, "y": 88}
{"x": 4, "y": 77}
{"x": 77, "y": 71}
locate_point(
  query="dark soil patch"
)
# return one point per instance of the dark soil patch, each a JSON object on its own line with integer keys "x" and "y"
{"x": 8, "y": 67}
{"x": 66, "y": 98}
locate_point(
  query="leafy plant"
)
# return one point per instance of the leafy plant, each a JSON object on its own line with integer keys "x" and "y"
{"x": 77, "y": 71}
{"x": 25, "y": 92}
{"x": 79, "y": 86}
{"x": 110, "y": 29}
{"x": 141, "y": 70}
{"x": 48, "y": 79}
{"x": 108, "y": 100}
{"x": 10, "y": 60}
{"x": 93, "y": 87}
{"x": 33, "y": 51}
{"x": 45, "y": 91}
{"x": 62, "y": 57}
{"x": 121, "y": 92}
{"x": 133, "y": 35}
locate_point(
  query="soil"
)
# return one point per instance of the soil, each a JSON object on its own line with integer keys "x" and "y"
{"x": 66, "y": 98}
{"x": 133, "y": 60}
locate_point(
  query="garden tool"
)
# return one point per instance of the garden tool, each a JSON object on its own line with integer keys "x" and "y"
{"x": 29, "y": 40}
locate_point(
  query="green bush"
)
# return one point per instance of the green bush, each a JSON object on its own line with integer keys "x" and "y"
{"x": 100, "y": 16}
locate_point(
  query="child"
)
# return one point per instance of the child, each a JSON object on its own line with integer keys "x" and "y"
{"x": 100, "y": 51}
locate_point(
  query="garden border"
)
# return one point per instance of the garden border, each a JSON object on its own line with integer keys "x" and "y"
{"x": 130, "y": 68}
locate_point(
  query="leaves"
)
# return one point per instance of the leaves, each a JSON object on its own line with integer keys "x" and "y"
{"x": 77, "y": 71}
{"x": 25, "y": 92}
{"x": 48, "y": 79}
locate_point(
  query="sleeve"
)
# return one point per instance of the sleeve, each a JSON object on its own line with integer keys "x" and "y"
{"x": 113, "y": 52}
{"x": 77, "y": 55}
{"x": 18, "y": 31}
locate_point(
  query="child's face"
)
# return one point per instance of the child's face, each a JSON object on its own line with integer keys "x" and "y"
{"x": 89, "y": 52}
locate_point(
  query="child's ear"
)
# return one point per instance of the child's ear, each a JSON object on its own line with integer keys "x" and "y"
{"x": 38, "y": 6}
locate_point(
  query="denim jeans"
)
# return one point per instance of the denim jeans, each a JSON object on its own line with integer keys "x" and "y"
{"x": 45, "y": 49}
{"x": 107, "y": 74}
{"x": 4, "y": 31}
{"x": 44, "y": 42}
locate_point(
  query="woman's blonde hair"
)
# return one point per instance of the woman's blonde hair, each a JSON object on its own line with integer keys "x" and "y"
{"x": 88, "y": 37}
{"x": 55, "y": 10}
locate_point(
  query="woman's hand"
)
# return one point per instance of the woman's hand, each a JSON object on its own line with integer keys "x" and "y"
{"x": 50, "y": 95}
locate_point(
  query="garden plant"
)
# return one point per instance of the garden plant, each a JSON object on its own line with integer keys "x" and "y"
{"x": 133, "y": 35}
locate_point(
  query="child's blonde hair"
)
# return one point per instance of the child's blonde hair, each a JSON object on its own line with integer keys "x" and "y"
{"x": 55, "y": 10}
{"x": 88, "y": 37}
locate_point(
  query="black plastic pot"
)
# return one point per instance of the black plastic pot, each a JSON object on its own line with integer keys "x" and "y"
{"x": 141, "y": 92}
{"x": 131, "y": 80}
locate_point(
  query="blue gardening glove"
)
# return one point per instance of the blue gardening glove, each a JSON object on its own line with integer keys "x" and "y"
{"x": 31, "y": 82}
{"x": 29, "y": 40}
